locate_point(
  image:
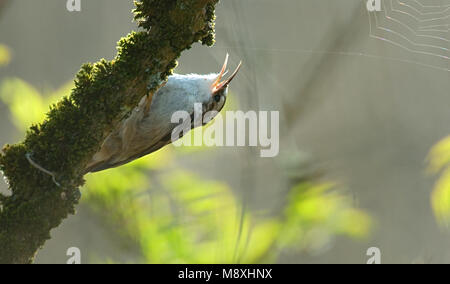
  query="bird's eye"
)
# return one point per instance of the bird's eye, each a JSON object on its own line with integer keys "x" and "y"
{"x": 217, "y": 98}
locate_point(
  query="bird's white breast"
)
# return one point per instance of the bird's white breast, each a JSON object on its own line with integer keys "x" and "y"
{"x": 179, "y": 94}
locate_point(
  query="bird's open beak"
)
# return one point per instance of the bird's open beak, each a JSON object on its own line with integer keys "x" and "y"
{"x": 218, "y": 85}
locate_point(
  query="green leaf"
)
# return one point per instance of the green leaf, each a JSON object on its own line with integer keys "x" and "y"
{"x": 439, "y": 156}
{"x": 439, "y": 161}
{"x": 440, "y": 199}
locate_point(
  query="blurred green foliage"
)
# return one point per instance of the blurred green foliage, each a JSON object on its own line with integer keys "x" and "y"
{"x": 439, "y": 162}
{"x": 5, "y": 56}
{"x": 27, "y": 104}
{"x": 175, "y": 216}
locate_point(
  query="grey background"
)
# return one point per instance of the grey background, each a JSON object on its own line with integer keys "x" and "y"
{"x": 359, "y": 107}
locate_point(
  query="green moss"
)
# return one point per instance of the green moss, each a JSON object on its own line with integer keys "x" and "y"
{"x": 104, "y": 93}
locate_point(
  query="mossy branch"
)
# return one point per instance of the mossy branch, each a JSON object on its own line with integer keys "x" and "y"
{"x": 104, "y": 93}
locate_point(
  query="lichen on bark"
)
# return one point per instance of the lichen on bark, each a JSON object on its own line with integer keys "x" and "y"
{"x": 104, "y": 93}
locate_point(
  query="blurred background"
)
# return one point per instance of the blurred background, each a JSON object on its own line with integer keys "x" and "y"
{"x": 364, "y": 106}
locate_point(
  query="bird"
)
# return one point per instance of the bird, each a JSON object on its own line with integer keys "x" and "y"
{"x": 149, "y": 127}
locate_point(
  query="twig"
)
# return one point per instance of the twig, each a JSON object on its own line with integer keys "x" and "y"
{"x": 37, "y": 166}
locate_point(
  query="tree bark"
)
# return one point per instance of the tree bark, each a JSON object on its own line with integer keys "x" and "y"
{"x": 104, "y": 93}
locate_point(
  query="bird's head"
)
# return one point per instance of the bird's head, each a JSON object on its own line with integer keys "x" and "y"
{"x": 209, "y": 90}
{"x": 218, "y": 87}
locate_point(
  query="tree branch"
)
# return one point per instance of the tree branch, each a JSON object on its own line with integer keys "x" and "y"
{"x": 104, "y": 93}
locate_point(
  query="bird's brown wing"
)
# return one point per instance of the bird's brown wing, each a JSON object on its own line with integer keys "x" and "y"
{"x": 112, "y": 162}
{"x": 104, "y": 165}
{"x": 120, "y": 141}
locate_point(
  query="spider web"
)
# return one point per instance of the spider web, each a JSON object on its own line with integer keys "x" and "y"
{"x": 421, "y": 29}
